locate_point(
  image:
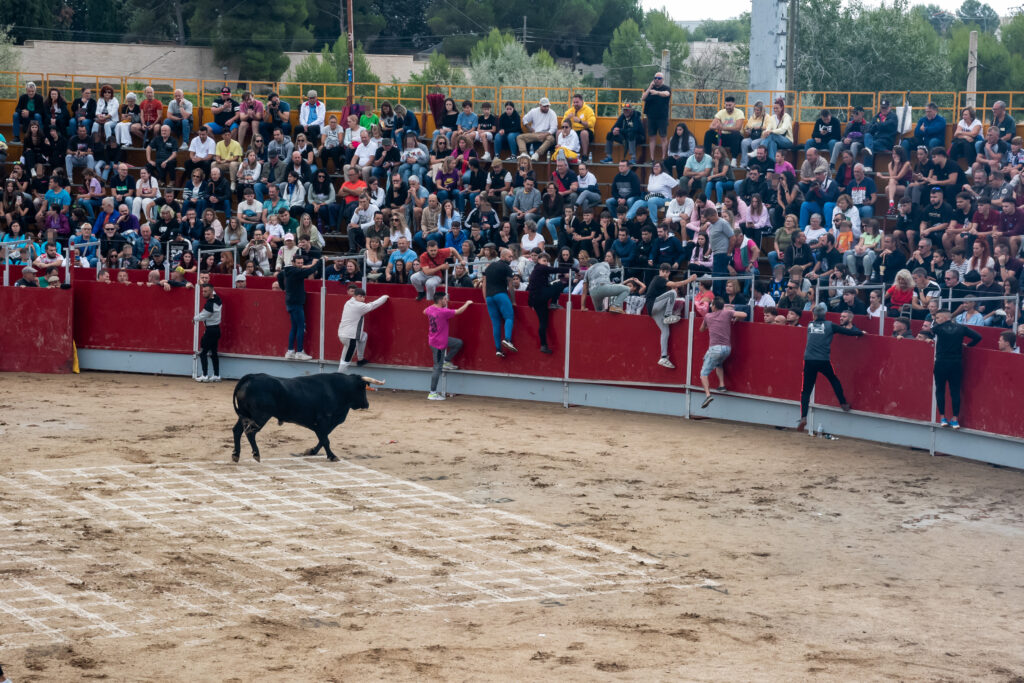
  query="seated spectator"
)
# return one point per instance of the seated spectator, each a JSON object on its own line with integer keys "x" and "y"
{"x": 880, "y": 135}
{"x": 929, "y": 132}
{"x": 567, "y": 143}
{"x": 680, "y": 147}
{"x": 626, "y": 189}
{"x": 509, "y": 127}
{"x": 897, "y": 179}
{"x": 628, "y": 131}
{"x": 227, "y": 157}
{"x": 853, "y": 137}
{"x": 696, "y": 172}
{"x": 225, "y": 112}
{"x": 129, "y": 120}
{"x": 80, "y": 151}
{"x": 726, "y": 128}
{"x": 179, "y": 117}
{"x": 29, "y": 107}
{"x": 201, "y": 153}
{"x": 826, "y": 133}
{"x": 721, "y": 176}
{"x": 276, "y": 116}
{"x": 543, "y": 124}
{"x": 778, "y": 130}
{"x": 965, "y": 137}
{"x": 465, "y": 125}
{"x": 582, "y": 120}
{"x": 107, "y": 110}
{"x": 820, "y": 198}
{"x": 449, "y": 121}
{"x": 311, "y": 117}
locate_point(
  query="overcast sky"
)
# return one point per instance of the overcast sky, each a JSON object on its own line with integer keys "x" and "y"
{"x": 727, "y": 9}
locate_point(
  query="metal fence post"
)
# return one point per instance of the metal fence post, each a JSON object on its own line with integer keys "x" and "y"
{"x": 195, "y": 323}
{"x": 323, "y": 304}
{"x": 568, "y": 339}
{"x": 690, "y": 314}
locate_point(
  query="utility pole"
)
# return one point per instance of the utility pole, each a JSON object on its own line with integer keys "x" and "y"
{"x": 525, "y": 43}
{"x": 791, "y": 29}
{"x": 664, "y": 67}
{"x": 351, "y": 57}
{"x": 972, "y": 69}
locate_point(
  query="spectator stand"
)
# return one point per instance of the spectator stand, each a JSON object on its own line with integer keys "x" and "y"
{"x": 859, "y": 288}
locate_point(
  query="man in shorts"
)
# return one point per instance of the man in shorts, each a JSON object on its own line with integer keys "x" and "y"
{"x": 657, "y": 99}
{"x": 718, "y": 322}
{"x": 442, "y": 347}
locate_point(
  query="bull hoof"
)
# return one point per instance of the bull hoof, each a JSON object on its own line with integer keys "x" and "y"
{"x": 256, "y": 457}
{"x": 332, "y": 458}
{"x": 234, "y": 456}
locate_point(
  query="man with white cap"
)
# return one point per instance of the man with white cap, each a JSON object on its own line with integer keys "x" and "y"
{"x": 543, "y": 124}
{"x": 818, "y": 359}
{"x": 28, "y": 278}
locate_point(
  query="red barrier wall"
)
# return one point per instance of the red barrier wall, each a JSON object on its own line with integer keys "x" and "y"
{"x": 880, "y": 374}
{"x": 35, "y": 335}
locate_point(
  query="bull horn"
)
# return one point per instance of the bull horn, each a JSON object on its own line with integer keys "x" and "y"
{"x": 371, "y": 380}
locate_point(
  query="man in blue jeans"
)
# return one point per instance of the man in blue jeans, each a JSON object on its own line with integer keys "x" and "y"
{"x": 291, "y": 279}
{"x": 499, "y": 290}
{"x": 720, "y": 234}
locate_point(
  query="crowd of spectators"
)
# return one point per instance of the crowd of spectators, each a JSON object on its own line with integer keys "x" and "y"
{"x": 266, "y": 185}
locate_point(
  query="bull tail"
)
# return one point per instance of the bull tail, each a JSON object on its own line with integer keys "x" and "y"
{"x": 234, "y": 396}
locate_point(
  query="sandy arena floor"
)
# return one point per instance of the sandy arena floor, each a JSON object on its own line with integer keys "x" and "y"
{"x": 487, "y": 540}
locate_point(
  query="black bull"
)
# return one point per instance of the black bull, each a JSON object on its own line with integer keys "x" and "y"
{"x": 317, "y": 402}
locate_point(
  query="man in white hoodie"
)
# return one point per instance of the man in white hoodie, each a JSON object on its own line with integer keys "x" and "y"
{"x": 350, "y": 331}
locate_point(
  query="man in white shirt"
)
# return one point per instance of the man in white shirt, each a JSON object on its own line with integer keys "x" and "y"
{"x": 544, "y": 124}
{"x": 350, "y": 331}
{"x": 179, "y": 117}
{"x": 200, "y": 153}
{"x": 362, "y": 158}
{"x": 311, "y": 118}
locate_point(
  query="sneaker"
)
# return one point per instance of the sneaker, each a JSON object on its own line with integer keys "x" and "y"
{"x": 954, "y": 423}
{"x": 891, "y": 213}
{"x": 201, "y": 378}
{"x": 733, "y": 164}
{"x": 213, "y": 378}
{"x": 183, "y": 147}
{"x": 671, "y": 319}
{"x": 448, "y": 365}
{"x": 499, "y": 354}
{"x": 508, "y": 345}
{"x": 845, "y": 406}
{"x": 300, "y": 355}
{"x": 434, "y": 396}
{"x": 546, "y": 349}
{"x": 555, "y": 307}
{"x": 722, "y": 390}
{"x": 707, "y": 401}
{"x": 486, "y": 156}
{"x": 666, "y": 363}
{"x": 615, "y": 309}
{"x": 534, "y": 157}
{"x": 607, "y": 160}
{"x": 16, "y": 138}
{"x": 421, "y": 296}
{"x": 361, "y": 362}
{"x": 289, "y": 355}
{"x": 943, "y": 422}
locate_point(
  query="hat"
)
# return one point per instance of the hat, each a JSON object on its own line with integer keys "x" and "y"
{"x": 884, "y": 103}
{"x": 545, "y": 102}
{"x": 289, "y": 237}
{"x": 936, "y": 188}
{"x": 28, "y": 269}
{"x": 240, "y": 277}
{"x": 627, "y": 105}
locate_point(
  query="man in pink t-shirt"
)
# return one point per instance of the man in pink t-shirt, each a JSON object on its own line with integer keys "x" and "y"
{"x": 442, "y": 347}
{"x": 718, "y": 322}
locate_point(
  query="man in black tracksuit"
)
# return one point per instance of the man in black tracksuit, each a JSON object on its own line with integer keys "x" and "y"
{"x": 541, "y": 294}
{"x": 818, "y": 359}
{"x": 949, "y": 363}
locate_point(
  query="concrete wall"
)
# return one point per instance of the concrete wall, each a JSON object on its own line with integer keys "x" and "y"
{"x": 165, "y": 61}
{"x": 768, "y": 28}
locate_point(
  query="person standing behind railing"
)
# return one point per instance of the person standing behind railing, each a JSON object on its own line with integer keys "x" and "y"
{"x": 949, "y": 363}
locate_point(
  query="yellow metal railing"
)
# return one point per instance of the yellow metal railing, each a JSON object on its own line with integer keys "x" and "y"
{"x": 688, "y": 104}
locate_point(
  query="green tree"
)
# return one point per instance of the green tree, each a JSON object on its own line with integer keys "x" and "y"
{"x": 326, "y": 22}
{"x": 979, "y": 14}
{"x": 628, "y": 58}
{"x": 491, "y": 45}
{"x": 837, "y": 48}
{"x": 439, "y": 71}
{"x": 726, "y": 31}
{"x": 330, "y": 65}
{"x": 940, "y": 19}
{"x": 159, "y": 20}
{"x": 31, "y": 19}
{"x": 462, "y": 22}
{"x": 10, "y": 60}
{"x": 405, "y": 26}
{"x": 255, "y": 40}
{"x": 513, "y": 66}
{"x": 994, "y": 64}
{"x": 665, "y": 34}
{"x": 610, "y": 14}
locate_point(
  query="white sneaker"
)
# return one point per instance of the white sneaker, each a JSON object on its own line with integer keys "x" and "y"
{"x": 434, "y": 396}
{"x": 202, "y": 378}
{"x": 671, "y": 319}
{"x": 666, "y": 363}
{"x": 300, "y": 355}
{"x": 733, "y": 163}
{"x": 447, "y": 365}
{"x": 486, "y": 156}
{"x": 289, "y": 355}
{"x": 213, "y": 378}
{"x": 183, "y": 146}
{"x": 534, "y": 157}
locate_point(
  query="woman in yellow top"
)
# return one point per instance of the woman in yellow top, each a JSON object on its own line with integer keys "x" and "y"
{"x": 582, "y": 119}
{"x": 778, "y": 130}
{"x": 752, "y": 129}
